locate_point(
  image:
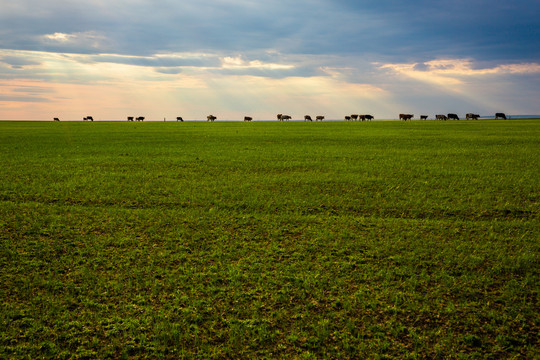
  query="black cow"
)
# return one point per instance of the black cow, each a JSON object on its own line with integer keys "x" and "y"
{"x": 179, "y": 118}
{"x": 500, "y": 115}
{"x": 453, "y": 117}
{"x": 248, "y": 118}
{"x": 423, "y": 117}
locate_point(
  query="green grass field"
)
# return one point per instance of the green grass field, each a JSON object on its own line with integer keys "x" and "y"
{"x": 269, "y": 240}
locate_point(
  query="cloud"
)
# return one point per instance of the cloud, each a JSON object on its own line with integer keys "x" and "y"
{"x": 11, "y": 98}
{"x": 393, "y": 30}
{"x": 454, "y": 71}
{"x": 17, "y": 62}
{"x": 76, "y": 41}
{"x": 229, "y": 62}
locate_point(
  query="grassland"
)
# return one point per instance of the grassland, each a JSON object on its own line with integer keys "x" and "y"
{"x": 270, "y": 240}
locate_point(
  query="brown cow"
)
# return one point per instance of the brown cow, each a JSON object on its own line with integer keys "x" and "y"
{"x": 472, "y": 116}
{"x": 319, "y": 118}
{"x": 405, "y": 117}
{"x": 440, "y": 117}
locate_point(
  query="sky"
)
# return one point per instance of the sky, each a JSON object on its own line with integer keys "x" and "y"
{"x": 191, "y": 58}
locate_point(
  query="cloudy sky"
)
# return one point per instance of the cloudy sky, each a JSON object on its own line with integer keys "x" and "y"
{"x": 167, "y": 58}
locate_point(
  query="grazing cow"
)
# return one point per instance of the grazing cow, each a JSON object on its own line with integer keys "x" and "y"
{"x": 405, "y": 117}
{"x": 282, "y": 117}
{"x": 248, "y": 118}
{"x": 130, "y": 118}
{"x": 179, "y": 118}
{"x": 307, "y": 118}
{"x": 453, "y": 117}
{"x": 319, "y": 118}
{"x": 140, "y": 118}
{"x": 423, "y": 117}
{"x": 56, "y": 119}
{"x": 500, "y": 115}
{"x": 368, "y": 117}
{"x": 472, "y": 116}
{"x": 440, "y": 117}
{"x": 88, "y": 118}
{"x": 211, "y": 118}
{"x": 347, "y": 118}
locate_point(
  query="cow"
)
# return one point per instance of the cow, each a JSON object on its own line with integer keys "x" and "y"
{"x": 319, "y": 118}
{"x": 211, "y": 118}
{"x": 423, "y": 117}
{"x": 307, "y": 118}
{"x": 354, "y": 117}
{"x": 440, "y": 117}
{"x": 88, "y": 118}
{"x": 140, "y": 118}
{"x": 282, "y": 117}
{"x": 453, "y": 117}
{"x": 179, "y": 118}
{"x": 405, "y": 117}
{"x": 130, "y": 118}
{"x": 56, "y": 119}
{"x": 347, "y": 118}
{"x": 500, "y": 115}
{"x": 362, "y": 117}
{"x": 368, "y": 117}
{"x": 248, "y": 118}
{"x": 472, "y": 116}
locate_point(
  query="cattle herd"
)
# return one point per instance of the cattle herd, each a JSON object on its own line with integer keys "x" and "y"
{"x": 353, "y": 117}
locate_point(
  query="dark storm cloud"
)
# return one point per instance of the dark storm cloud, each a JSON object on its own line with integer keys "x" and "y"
{"x": 392, "y": 30}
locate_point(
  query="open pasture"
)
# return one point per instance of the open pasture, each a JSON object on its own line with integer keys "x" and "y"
{"x": 270, "y": 240}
